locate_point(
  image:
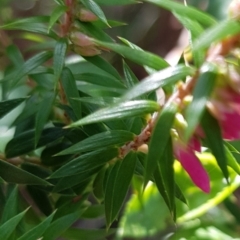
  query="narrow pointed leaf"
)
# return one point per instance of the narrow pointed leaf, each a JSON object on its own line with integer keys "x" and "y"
{"x": 201, "y": 93}
{"x": 100, "y": 140}
{"x": 59, "y": 58}
{"x": 214, "y": 141}
{"x": 130, "y": 77}
{"x": 189, "y": 12}
{"x": 231, "y": 160}
{"x": 11, "y": 206}
{"x": 86, "y": 162}
{"x": 115, "y": 2}
{"x": 15, "y": 55}
{"x": 138, "y": 56}
{"x": 117, "y": 186}
{"x": 27, "y": 67}
{"x": 165, "y": 165}
{"x": 9, "y": 105}
{"x": 42, "y": 116}
{"x": 103, "y": 65}
{"x": 38, "y": 231}
{"x": 71, "y": 91}
{"x": 119, "y": 111}
{"x": 93, "y": 6}
{"x": 32, "y": 24}
{"x": 56, "y": 14}
{"x": 9, "y": 227}
{"x": 159, "y": 79}
{"x": 219, "y": 31}
{"x": 24, "y": 142}
{"x": 159, "y": 140}
{"x": 60, "y": 225}
{"x": 12, "y": 174}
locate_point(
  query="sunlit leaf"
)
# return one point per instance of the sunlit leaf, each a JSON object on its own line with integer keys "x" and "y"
{"x": 159, "y": 79}
{"x": 119, "y": 111}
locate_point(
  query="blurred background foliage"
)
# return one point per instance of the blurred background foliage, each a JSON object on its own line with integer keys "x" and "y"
{"x": 155, "y": 30}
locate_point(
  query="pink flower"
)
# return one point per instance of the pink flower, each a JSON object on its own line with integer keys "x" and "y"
{"x": 225, "y": 107}
{"x": 189, "y": 161}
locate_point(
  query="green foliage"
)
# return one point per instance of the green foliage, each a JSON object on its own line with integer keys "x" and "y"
{"x": 92, "y": 141}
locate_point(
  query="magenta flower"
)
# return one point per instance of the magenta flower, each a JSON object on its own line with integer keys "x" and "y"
{"x": 225, "y": 107}
{"x": 192, "y": 165}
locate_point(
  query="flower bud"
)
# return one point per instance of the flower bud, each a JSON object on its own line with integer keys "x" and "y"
{"x": 85, "y": 15}
{"x": 87, "y": 51}
{"x": 234, "y": 9}
{"x": 80, "y": 39}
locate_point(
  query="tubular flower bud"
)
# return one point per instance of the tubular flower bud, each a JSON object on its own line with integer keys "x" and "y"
{"x": 81, "y": 39}
{"x": 85, "y": 15}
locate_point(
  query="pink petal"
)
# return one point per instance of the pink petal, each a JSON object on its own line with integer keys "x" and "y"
{"x": 193, "y": 167}
{"x": 231, "y": 126}
{"x": 195, "y": 144}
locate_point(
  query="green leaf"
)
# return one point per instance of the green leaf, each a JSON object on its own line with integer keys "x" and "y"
{"x": 24, "y": 142}
{"x": 117, "y": 186}
{"x": 99, "y": 101}
{"x": 100, "y": 140}
{"x": 12, "y": 174}
{"x": 231, "y": 160}
{"x": 159, "y": 140}
{"x": 186, "y": 11}
{"x": 104, "y": 65}
{"x": 86, "y": 162}
{"x": 92, "y": 30}
{"x": 201, "y": 93}
{"x": 130, "y": 77}
{"x": 115, "y": 2}
{"x": 214, "y": 141}
{"x": 93, "y": 6}
{"x": 59, "y": 58}
{"x": 42, "y": 115}
{"x": 165, "y": 167}
{"x": 15, "y": 55}
{"x": 211, "y": 203}
{"x": 9, "y": 227}
{"x": 11, "y": 206}
{"x": 71, "y": 91}
{"x": 218, "y": 32}
{"x": 136, "y": 55}
{"x": 87, "y": 234}
{"x": 100, "y": 80}
{"x": 32, "y": 24}
{"x": 119, "y": 111}
{"x": 60, "y": 225}
{"x": 38, "y": 231}
{"x": 8, "y": 105}
{"x": 27, "y": 67}
{"x": 159, "y": 79}
{"x": 55, "y": 15}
